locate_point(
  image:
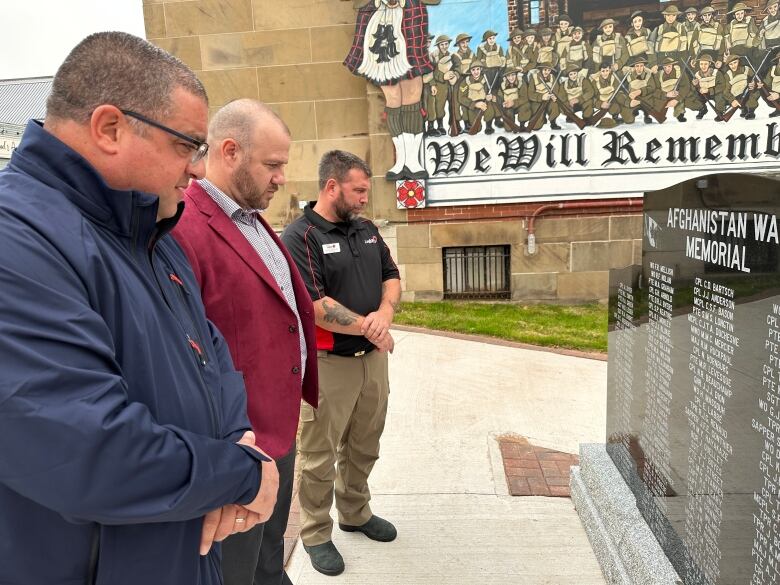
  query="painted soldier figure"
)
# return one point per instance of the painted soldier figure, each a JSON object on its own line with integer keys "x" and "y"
{"x": 676, "y": 89}
{"x": 445, "y": 75}
{"x": 514, "y": 53}
{"x": 741, "y": 32}
{"x": 690, "y": 23}
{"x": 710, "y": 85}
{"x": 390, "y": 49}
{"x": 474, "y": 96}
{"x": 578, "y": 51}
{"x": 544, "y": 92}
{"x": 607, "y": 95}
{"x": 771, "y": 83}
{"x": 637, "y": 39}
{"x": 493, "y": 56}
{"x": 529, "y": 56}
{"x": 670, "y": 39}
{"x": 710, "y": 39}
{"x": 545, "y": 49}
{"x": 464, "y": 53}
{"x": 740, "y": 87}
{"x": 610, "y": 46}
{"x": 513, "y": 96}
{"x": 643, "y": 88}
{"x": 769, "y": 34}
{"x": 563, "y": 35}
{"x": 579, "y": 90}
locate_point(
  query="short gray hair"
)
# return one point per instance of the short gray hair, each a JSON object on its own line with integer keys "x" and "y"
{"x": 238, "y": 120}
{"x": 336, "y": 164}
{"x": 122, "y": 70}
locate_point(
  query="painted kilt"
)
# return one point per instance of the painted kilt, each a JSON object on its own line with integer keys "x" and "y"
{"x": 415, "y": 32}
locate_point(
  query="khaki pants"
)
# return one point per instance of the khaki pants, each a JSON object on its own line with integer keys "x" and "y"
{"x": 344, "y": 431}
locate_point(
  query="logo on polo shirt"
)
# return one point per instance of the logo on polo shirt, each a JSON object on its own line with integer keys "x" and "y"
{"x": 371, "y": 240}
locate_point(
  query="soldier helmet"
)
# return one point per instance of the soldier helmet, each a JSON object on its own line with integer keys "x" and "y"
{"x": 692, "y": 10}
{"x": 545, "y": 31}
{"x": 771, "y": 3}
{"x": 443, "y": 39}
{"x": 529, "y": 32}
{"x": 671, "y": 10}
{"x": 731, "y": 58}
{"x": 462, "y": 37}
{"x": 636, "y": 13}
{"x": 431, "y": 37}
{"x": 707, "y": 10}
{"x": 477, "y": 63}
{"x": 564, "y": 18}
{"x": 605, "y": 22}
{"x": 577, "y": 29}
{"x": 637, "y": 59}
{"x": 739, "y": 6}
{"x": 669, "y": 61}
{"x": 511, "y": 70}
{"x": 488, "y": 34}
{"x": 705, "y": 57}
{"x": 572, "y": 69}
{"x": 518, "y": 32}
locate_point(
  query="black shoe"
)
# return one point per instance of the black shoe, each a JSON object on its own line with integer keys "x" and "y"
{"x": 325, "y": 558}
{"x": 554, "y": 125}
{"x": 681, "y": 118}
{"x": 743, "y": 113}
{"x": 775, "y": 114}
{"x": 648, "y": 119}
{"x": 702, "y": 113}
{"x": 489, "y": 128}
{"x": 376, "y": 529}
{"x": 440, "y": 131}
{"x": 430, "y": 130}
{"x": 499, "y": 122}
{"x": 750, "y": 115}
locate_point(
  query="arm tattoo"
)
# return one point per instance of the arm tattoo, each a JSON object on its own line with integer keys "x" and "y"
{"x": 337, "y": 314}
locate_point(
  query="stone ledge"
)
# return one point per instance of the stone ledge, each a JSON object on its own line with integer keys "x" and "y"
{"x": 625, "y": 547}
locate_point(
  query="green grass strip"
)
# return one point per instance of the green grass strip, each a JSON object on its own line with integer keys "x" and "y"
{"x": 581, "y": 327}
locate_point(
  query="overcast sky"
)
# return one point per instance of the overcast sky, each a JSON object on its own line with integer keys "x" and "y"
{"x": 38, "y": 34}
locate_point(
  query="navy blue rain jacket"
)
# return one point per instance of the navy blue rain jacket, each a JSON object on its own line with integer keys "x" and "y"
{"x": 119, "y": 404}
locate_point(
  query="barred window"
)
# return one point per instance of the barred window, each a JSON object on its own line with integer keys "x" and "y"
{"x": 477, "y": 272}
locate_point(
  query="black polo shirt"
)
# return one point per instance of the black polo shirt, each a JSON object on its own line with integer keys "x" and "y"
{"x": 347, "y": 262}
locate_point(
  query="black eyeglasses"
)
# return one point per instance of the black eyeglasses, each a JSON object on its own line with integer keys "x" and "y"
{"x": 199, "y": 149}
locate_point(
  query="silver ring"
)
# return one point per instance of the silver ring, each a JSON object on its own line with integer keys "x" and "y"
{"x": 240, "y": 520}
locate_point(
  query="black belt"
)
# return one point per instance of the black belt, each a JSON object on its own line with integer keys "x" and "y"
{"x": 321, "y": 352}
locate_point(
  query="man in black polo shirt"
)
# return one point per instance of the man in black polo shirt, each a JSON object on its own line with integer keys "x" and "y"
{"x": 355, "y": 287}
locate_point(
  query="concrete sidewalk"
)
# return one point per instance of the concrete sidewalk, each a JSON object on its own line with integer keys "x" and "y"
{"x": 440, "y": 478}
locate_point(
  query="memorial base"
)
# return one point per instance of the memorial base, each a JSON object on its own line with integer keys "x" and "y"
{"x": 624, "y": 545}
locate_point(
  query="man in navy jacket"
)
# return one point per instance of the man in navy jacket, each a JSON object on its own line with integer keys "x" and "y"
{"x": 122, "y": 420}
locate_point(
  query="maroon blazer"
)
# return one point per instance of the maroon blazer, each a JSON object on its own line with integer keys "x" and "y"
{"x": 245, "y": 303}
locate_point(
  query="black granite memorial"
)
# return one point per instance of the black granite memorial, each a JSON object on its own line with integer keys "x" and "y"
{"x": 693, "y": 413}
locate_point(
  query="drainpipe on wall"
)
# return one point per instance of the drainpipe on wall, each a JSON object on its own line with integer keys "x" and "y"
{"x": 531, "y": 244}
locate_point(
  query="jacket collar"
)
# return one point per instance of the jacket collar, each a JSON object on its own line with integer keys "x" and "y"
{"x": 223, "y": 225}
{"x": 49, "y": 160}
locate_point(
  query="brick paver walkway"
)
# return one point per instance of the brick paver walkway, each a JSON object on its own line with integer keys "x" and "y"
{"x": 535, "y": 471}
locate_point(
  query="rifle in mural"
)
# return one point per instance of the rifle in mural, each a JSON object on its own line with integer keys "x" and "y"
{"x": 541, "y": 111}
{"x": 567, "y": 110}
{"x": 508, "y": 121}
{"x": 743, "y": 98}
{"x": 774, "y": 103}
{"x": 476, "y": 127}
{"x": 675, "y": 88}
{"x": 596, "y": 118}
{"x": 454, "y": 122}
{"x": 659, "y": 117}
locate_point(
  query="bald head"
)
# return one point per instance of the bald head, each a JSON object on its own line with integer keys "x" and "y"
{"x": 239, "y": 120}
{"x": 249, "y": 147}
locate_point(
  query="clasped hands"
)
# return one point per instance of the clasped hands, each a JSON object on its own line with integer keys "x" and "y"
{"x": 376, "y": 328}
{"x": 233, "y": 518}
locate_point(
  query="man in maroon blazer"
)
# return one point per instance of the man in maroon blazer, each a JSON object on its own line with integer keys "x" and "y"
{"x": 253, "y": 292}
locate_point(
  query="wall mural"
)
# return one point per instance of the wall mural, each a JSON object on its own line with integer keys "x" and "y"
{"x": 568, "y": 110}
